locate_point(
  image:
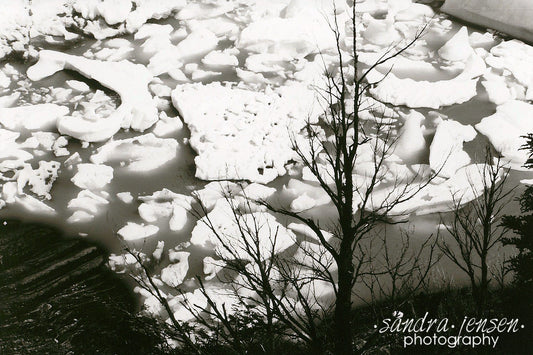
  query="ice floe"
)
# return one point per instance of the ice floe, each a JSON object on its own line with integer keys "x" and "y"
{"x": 88, "y": 201}
{"x": 92, "y": 176}
{"x": 40, "y": 180}
{"x": 138, "y": 154}
{"x": 416, "y": 94}
{"x": 240, "y": 133}
{"x": 41, "y": 117}
{"x": 457, "y": 48}
{"x": 505, "y": 130}
{"x": 446, "y": 154}
{"x": 166, "y": 204}
{"x": 465, "y": 185}
{"x": 133, "y": 231}
{"x": 174, "y": 274}
{"x": 510, "y": 60}
{"x": 125, "y": 197}
{"x": 229, "y": 243}
{"x": 303, "y": 29}
{"x": 130, "y": 81}
{"x": 411, "y": 145}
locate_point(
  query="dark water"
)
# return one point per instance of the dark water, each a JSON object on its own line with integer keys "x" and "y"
{"x": 58, "y": 297}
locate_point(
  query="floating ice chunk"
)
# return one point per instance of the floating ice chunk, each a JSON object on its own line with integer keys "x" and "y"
{"x": 149, "y": 30}
{"x": 505, "y": 130}
{"x": 415, "y": 94}
{"x": 179, "y": 217}
{"x": 200, "y": 74}
{"x": 80, "y": 217}
{"x": 34, "y": 205}
{"x": 174, "y": 274}
{"x": 482, "y": 39}
{"x": 130, "y": 81}
{"x": 446, "y": 154}
{"x": 9, "y": 100}
{"x": 464, "y": 186}
{"x": 74, "y": 159}
{"x": 220, "y": 58}
{"x": 40, "y": 180}
{"x": 297, "y": 35}
{"x": 148, "y": 9}
{"x": 400, "y": 65}
{"x": 164, "y": 204}
{"x": 125, "y": 197}
{"x": 220, "y": 26}
{"x": 142, "y": 153}
{"x": 229, "y": 243}
{"x": 167, "y": 126}
{"x": 158, "y": 252}
{"x": 415, "y": 12}
{"x": 514, "y": 56}
{"x": 118, "y": 42}
{"x": 166, "y": 195}
{"x": 160, "y": 90}
{"x": 308, "y": 195}
{"x": 59, "y": 146}
{"x": 9, "y": 191}
{"x": 411, "y": 145}
{"x": 457, "y": 48}
{"x": 114, "y": 11}
{"x": 123, "y": 262}
{"x": 266, "y": 63}
{"x": 41, "y": 117}
{"x": 381, "y": 32}
{"x": 133, "y": 231}
{"x": 113, "y": 54}
{"x": 255, "y": 191}
{"x": 212, "y": 267}
{"x": 197, "y": 43}
{"x": 152, "y": 211}
{"x": 215, "y": 191}
{"x": 497, "y": 89}
{"x": 88, "y": 201}
{"x": 92, "y": 176}
{"x": 247, "y": 135}
{"x": 45, "y": 140}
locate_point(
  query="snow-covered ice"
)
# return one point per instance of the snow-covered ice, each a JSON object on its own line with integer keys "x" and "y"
{"x": 92, "y": 176}
{"x": 133, "y": 231}
{"x": 505, "y": 130}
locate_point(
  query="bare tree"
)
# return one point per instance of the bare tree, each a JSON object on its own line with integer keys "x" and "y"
{"x": 287, "y": 291}
{"x": 475, "y": 228}
{"x": 332, "y": 163}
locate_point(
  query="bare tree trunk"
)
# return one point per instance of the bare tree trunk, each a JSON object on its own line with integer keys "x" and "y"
{"x": 343, "y": 305}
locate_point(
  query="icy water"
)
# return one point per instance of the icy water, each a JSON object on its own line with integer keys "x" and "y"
{"x": 178, "y": 175}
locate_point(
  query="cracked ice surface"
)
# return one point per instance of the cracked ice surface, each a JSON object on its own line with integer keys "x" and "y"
{"x": 243, "y": 133}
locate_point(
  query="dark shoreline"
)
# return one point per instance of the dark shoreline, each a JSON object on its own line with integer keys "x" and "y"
{"x": 59, "y": 297}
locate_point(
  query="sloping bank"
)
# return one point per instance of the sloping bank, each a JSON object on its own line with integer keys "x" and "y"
{"x": 513, "y": 17}
{"x": 58, "y": 297}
